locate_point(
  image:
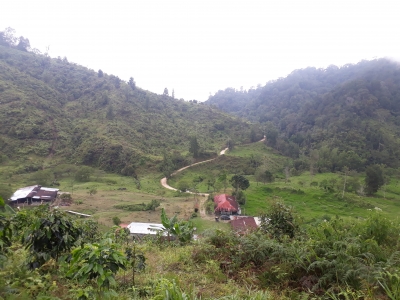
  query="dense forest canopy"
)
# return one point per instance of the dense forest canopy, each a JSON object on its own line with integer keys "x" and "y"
{"x": 351, "y": 115}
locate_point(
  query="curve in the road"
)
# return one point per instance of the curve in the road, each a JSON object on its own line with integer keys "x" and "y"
{"x": 164, "y": 180}
{"x": 164, "y": 183}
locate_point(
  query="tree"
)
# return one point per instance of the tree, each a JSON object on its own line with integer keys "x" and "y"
{"x": 42, "y": 177}
{"x": 116, "y": 221}
{"x": 374, "y": 179}
{"x": 230, "y": 144}
{"x": 5, "y": 234}
{"x": 223, "y": 178}
{"x": 7, "y": 37}
{"x": 98, "y": 261}
{"x": 255, "y": 161}
{"x": 110, "y": 113}
{"x": 137, "y": 261}
{"x": 253, "y": 135}
{"x": 345, "y": 173}
{"x": 165, "y": 92}
{"x": 183, "y": 230}
{"x": 167, "y": 166}
{"x": 279, "y": 221}
{"x": 265, "y": 176}
{"x": 240, "y": 197}
{"x": 5, "y": 191}
{"x": 271, "y": 134}
{"x": 194, "y": 147}
{"x": 24, "y": 44}
{"x": 314, "y": 157}
{"x": 132, "y": 83}
{"x": 100, "y": 73}
{"x": 183, "y": 185}
{"x": 49, "y": 236}
{"x": 239, "y": 182}
{"x": 83, "y": 174}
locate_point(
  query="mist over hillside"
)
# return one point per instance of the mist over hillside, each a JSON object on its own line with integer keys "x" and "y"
{"x": 351, "y": 115}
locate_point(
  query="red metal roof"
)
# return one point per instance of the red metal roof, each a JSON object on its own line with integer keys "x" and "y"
{"x": 244, "y": 224}
{"x": 226, "y": 203}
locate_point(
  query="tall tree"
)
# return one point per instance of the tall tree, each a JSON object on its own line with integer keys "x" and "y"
{"x": 132, "y": 83}
{"x": 223, "y": 178}
{"x": 167, "y": 166}
{"x": 374, "y": 179}
{"x": 239, "y": 182}
{"x": 194, "y": 147}
{"x": 24, "y": 44}
{"x": 7, "y": 37}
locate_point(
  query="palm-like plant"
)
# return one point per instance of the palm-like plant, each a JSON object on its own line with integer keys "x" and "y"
{"x": 182, "y": 230}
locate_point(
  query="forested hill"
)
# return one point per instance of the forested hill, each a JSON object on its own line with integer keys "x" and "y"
{"x": 54, "y": 108}
{"x": 347, "y": 116}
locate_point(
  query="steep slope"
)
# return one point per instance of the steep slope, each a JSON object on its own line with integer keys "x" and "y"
{"x": 351, "y": 115}
{"x": 51, "y": 107}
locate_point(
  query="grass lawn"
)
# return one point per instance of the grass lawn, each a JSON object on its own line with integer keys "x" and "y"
{"x": 312, "y": 202}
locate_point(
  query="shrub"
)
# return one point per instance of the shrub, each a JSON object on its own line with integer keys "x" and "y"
{"x": 99, "y": 262}
{"x": 279, "y": 221}
{"x": 66, "y": 197}
{"x": 116, "y": 221}
{"x": 49, "y": 236}
{"x": 183, "y": 186}
{"x": 83, "y": 174}
{"x": 140, "y": 207}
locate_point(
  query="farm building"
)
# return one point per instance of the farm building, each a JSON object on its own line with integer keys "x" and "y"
{"x": 33, "y": 194}
{"x": 226, "y": 205}
{"x": 243, "y": 225}
{"x": 140, "y": 230}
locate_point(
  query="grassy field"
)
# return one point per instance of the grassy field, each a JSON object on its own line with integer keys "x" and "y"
{"x": 304, "y": 193}
{"x": 111, "y": 190}
{"x": 312, "y": 202}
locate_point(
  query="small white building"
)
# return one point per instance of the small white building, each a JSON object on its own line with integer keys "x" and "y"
{"x": 144, "y": 229}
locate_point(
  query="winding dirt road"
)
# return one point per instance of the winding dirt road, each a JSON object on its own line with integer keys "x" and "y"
{"x": 164, "y": 180}
{"x": 164, "y": 183}
{"x": 202, "y": 209}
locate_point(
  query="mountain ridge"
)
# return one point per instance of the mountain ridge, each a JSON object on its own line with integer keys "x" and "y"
{"x": 354, "y": 109}
{"x": 51, "y": 107}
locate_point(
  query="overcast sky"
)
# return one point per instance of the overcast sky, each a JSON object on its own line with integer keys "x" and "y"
{"x": 199, "y": 47}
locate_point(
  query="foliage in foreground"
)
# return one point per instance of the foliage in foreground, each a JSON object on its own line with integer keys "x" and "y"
{"x": 335, "y": 259}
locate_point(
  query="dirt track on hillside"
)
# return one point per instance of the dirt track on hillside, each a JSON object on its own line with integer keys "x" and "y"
{"x": 204, "y": 195}
{"x": 203, "y": 199}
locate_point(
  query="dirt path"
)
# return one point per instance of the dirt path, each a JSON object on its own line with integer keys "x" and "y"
{"x": 203, "y": 199}
{"x": 164, "y": 180}
{"x": 204, "y": 195}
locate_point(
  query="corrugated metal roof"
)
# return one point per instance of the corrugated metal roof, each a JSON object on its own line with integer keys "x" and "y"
{"x": 244, "y": 224}
{"x": 23, "y": 192}
{"x": 144, "y": 228}
{"x": 49, "y": 189}
{"x": 35, "y": 192}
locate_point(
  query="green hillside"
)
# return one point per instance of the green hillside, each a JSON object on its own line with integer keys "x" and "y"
{"x": 349, "y": 115}
{"x": 52, "y": 108}
{"x": 324, "y": 185}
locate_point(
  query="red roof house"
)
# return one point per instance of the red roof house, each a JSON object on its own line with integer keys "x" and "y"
{"x": 225, "y": 204}
{"x": 244, "y": 225}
